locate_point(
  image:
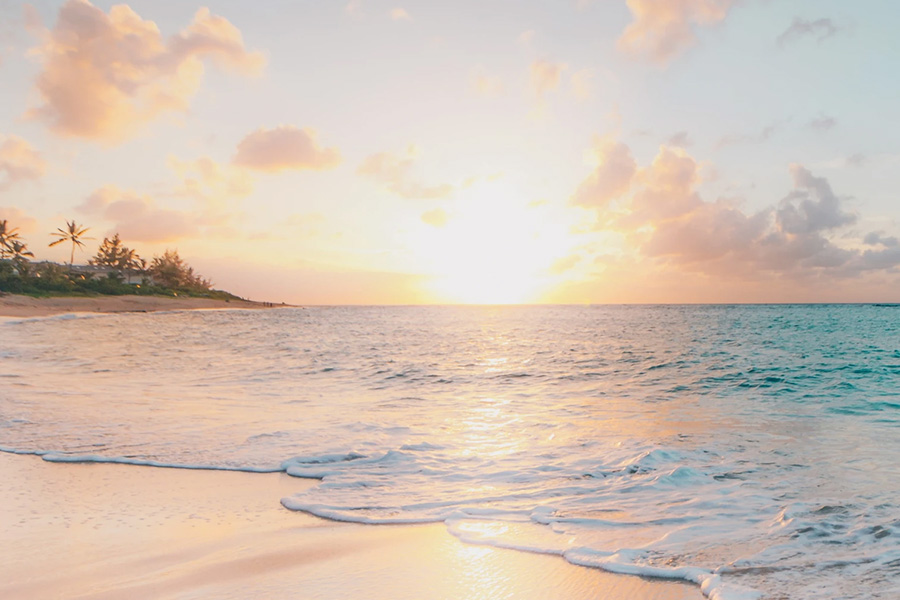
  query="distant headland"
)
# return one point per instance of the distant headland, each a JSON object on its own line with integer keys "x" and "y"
{"x": 115, "y": 279}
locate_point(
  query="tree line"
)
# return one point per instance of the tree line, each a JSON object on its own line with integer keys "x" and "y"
{"x": 126, "y": 271}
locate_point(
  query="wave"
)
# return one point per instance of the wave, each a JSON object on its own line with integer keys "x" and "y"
{"x": 57, "y": 457}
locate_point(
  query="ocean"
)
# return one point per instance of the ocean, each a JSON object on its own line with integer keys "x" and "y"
{"x": 751, "y": 450}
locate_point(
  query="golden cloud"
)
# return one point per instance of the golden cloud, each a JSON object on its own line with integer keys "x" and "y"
{"x": 664, "y": 28}
{"x": 436, "y": 217}
{"x": 210, "y": 183}
{"x": 396, "y": 173}
{"x": 545, "y": 76}
{"x": 105, "y": 75}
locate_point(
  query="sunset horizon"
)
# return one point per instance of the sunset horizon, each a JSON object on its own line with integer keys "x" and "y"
{"x": 704, "y": 151}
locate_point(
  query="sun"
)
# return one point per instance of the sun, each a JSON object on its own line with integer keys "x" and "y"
{"x": 495, "y": 248}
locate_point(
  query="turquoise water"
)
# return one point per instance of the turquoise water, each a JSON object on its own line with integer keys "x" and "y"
{"x": 750, "y": 449}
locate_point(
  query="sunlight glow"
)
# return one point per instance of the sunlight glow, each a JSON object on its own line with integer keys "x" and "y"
{"x": 496, "y": 248}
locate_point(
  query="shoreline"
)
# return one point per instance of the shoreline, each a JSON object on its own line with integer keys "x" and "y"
{"x": 111, "y": 531}
{"x": 14, "y": 305}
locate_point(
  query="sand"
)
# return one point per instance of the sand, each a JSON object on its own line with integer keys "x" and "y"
{"x": 106, "y": 531}
{"x": 26, "y": 306}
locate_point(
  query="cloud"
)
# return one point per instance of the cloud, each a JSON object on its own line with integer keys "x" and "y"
{"x": 18, "y": 219}
{"x": 665, "y": 189}
{"x": 710, "y": 231}
{"x": 545, "y": 76}
{"x": 105, "y": 75}
{"x": 282, "y": 148}
{"x": 354, "y": 9}
{"x": 137, "y": 217}
{"x": 764, "y": 135}
{"x": 662, "y": 216}
{"x": 31, "y": 19}
{"x": 399, "y": 14}
{"x": 679, "y": 140}
{"x": 820, "y": 29}
{"x": 436, "y": 217}
{"x": 564, "y": 264}
{"x": 291, "y": 228}
{"x": 396, "y": 173}
{"x": 208, "y": 182}
{"x": 663, "y": 29}
{"x": 526, "y": 37}
{"x": 823, "y": 123}
{"x": 484, "y": 83}
{"x": 581, "y": 84}
{"x": 611, "y": 178}
{"x": 812, "y": 206}
{"x": 856, "y": 160}
{"x": 878, "y": 238}
{"x": 19, "y": 162}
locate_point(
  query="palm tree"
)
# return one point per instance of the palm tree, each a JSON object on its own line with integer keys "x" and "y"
{"x": 131, "y": 262}
{"x": 19, "y": 253}
{"x": 7, "y": 235}
{"x": 72, "y": 233}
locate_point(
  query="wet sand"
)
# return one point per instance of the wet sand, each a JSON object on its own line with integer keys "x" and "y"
{"x": 26, "y": 306}
{"x": 107, "y": 531}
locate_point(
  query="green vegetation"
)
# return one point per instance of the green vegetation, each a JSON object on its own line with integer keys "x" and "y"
{"x": 123, "y": 261}
{"x": 115, "y": 270}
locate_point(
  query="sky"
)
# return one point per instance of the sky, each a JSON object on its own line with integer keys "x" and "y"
{"x": 485, "y": 151}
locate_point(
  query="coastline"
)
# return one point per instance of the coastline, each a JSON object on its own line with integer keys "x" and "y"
{"x": 106, "y": 531}
{"x": 13, "y": 305}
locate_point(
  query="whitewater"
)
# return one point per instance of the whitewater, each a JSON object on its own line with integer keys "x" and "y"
{"x": 751, "y": 450}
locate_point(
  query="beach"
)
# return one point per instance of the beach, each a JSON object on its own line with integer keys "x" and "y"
{"x": 101, "y": 531}
{"x": 26, "y": 306}
{"x": 451, "y": 452}
{"x": 115, "y": 531}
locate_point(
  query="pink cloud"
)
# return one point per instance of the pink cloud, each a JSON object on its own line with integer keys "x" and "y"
{"x": 285, "y": 147}
{"x": 19, "y": 162}
{"x": 105, "y": 75}
{"x": 663, "y": 29}
{"x": 18, "y": 219}
{"x": 137, "y": 217}
{"x": 663, "y": 217}
{"x": 613, "y": 176}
